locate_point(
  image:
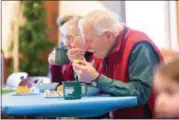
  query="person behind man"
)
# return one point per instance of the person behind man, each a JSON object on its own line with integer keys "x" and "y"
{"x": 166, "y": 85}
{"x": 60, "y": 21}
{"x": 124, "y": 60}
{"x": 70, "y": 39}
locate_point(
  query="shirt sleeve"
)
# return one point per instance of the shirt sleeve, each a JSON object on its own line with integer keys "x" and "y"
{"x": 143, "y": 60}
{"x": 56, "y": 73}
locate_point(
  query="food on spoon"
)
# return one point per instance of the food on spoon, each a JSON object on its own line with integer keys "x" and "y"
{"x": 77, "y": 61}
{"x": 22, "y": 90}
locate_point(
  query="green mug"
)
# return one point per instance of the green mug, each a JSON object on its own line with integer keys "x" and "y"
{"x": 60, "y": 56}
{"x": 74, "y": 90}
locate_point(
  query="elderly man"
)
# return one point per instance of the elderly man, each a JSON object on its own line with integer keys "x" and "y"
{"x": 124, "y": 60}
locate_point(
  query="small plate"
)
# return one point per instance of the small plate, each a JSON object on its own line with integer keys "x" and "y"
{"x": 52, "y": 96}
{"x": 44, "y": 86}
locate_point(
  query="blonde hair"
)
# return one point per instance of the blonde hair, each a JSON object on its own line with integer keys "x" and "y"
{"x": 169, "y": 70}
{"x": 102, "y": 21}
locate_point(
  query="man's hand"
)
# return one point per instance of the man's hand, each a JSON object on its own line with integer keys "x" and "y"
{"x": 51, "y": 57}
{"x": 86, "y": 72}
{"x": 76, "y": 53}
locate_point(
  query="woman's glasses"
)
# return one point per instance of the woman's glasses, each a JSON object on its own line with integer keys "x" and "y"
{"x": 67, "y": 39}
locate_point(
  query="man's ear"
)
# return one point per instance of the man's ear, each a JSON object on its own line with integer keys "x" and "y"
{"x": 109, "y": 35}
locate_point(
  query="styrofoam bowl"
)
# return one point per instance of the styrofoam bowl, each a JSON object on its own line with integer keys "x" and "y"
{"x": 47, "y": 86}
{"x": 91, "y": 91}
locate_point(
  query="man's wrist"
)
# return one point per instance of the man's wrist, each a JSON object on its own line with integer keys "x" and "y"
{"x": 97, "y": 77}
{"x": 94, "y": 82}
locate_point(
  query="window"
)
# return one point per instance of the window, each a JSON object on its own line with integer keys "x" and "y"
{"x": 156, "y": 18}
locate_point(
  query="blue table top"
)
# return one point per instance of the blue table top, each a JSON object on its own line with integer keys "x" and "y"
{"x": 58, "y": 107}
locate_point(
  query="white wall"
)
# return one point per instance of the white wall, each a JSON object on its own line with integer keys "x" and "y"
{"x": 173, "y": 22}
{"x": 112, "y": 5}
{"x": 115, "y": 6}
{"x": 83, "y": 7}
{"x": 152, "y": 17}
{"x": 79, "y": 7}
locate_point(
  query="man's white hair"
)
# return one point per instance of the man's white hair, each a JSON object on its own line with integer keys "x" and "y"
{"x": 102, "y": 21}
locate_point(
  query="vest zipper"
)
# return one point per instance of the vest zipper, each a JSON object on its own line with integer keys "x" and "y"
{"x": 106, "y": 65}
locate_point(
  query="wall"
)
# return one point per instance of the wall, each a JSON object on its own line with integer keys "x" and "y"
{"x": 177, "y": 12}
{"x": 173, "y": 25}
{"x": 117, "y": 7}
{"x": 78, "y": 7}
{"x": 52, "y": 14}
{"x": 83, "y": 7}
{"x": 159, "y": 22}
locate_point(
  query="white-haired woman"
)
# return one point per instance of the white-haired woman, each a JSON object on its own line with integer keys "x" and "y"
{"x": 70, "y": 39}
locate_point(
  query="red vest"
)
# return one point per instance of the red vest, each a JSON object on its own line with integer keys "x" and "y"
{"x": 118, "y": 66}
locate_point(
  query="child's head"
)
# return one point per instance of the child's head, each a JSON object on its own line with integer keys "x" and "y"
{"x": 167, "y": 75}
{"x": 166, "y": 85}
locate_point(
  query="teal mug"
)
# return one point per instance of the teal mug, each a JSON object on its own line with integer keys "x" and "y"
{"x": 74, "y": 90}
{"x": 60, "y": 56}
